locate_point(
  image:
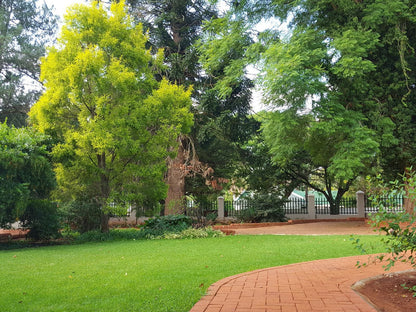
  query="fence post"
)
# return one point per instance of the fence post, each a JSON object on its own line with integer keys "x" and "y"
{"x": 311, "y": 207}
{"x": 360, "y": 204}
{"x": 220, "y": 202}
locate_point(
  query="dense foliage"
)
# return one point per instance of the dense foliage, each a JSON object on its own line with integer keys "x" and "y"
{"x": 26, "y": 180}
{"x": 264, "y": 208}
{"x": 160, "y": 225}
{"x": 115, "y": 122}
{"x": 25, "y": 29}
{"x": 339, "y": 76}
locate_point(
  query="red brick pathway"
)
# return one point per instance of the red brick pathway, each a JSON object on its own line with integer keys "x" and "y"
{"x": 322, "y": 285}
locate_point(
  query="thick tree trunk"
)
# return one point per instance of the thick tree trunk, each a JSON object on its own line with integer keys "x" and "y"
{"x": 105, "y": 228}
{"x": 176, "y": 183}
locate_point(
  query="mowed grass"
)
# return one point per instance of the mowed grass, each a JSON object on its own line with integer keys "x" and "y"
{"x": 158, "y": 275}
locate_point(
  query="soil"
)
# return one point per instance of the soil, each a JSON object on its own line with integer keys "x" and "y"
{"x": 386, "y": 294}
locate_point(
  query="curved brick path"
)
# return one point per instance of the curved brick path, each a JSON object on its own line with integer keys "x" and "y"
{"x": 322, "y": 285}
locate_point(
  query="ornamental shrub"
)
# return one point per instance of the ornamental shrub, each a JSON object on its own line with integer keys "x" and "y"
{"x": 82, "y": 215}
{"x": 167, "y": 224}
{"x": 264, "y": 208}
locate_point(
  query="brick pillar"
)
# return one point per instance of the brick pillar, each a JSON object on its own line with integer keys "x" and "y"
{"x": 311, "y": 207}
{"x": 360, "y": 204}
{"x": 220, "y": 202}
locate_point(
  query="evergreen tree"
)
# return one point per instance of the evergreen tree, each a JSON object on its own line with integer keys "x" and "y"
{"x": 25, "y": 29}
{"x": 210, "y": 154}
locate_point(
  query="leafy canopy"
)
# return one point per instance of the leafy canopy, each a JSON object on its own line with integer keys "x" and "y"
{"x": 115, "y": 123}
{"x": 341, "y": 78}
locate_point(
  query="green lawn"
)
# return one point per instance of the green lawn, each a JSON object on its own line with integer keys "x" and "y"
{"x": 158, "y": 275}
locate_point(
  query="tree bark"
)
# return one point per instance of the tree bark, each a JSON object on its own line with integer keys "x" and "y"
{"x": 105, "y": 192}
{"x": 105, "y": 228}
{"x": 176, "y": 183}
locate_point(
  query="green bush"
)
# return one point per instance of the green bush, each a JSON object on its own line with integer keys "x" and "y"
{"x": 264, "y": 208}
{"x": 82, "y": 215}
{"x": 41, "y": 217}
{"x": 26, "y": 173}
{"x": 112, "y": 235}
{"x": 248, "y": 215}
{"x": 211, "y": 217}
{"x": 167, "y": 224}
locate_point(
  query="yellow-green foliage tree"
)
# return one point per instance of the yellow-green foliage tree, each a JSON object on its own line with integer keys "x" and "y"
{"x": 114, "y": 122}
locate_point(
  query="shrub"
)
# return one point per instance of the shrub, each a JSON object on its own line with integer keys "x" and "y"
{"x": 26, "y": 173}
{"x": 82, "y": 215}
{"x": 167, "y": 224}
{"x": 248, "y": 215}
{"x": 112, "y": 235}
{"x": 264, "y": 208}
{"x": 41, "y": 217}
{"x": 211, "y": 217}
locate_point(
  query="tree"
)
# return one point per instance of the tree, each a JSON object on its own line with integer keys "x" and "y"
{"x": 342, "y": 74}
{"x": 116, "y": 123}
{"x": 222, "y": 124}
{"x": 25, "y": 172}
{"x": 25, "y": 29}
{"x": 174, "y": 26}
{"x": 321, "y": 154}
{"x": 210, "y": 153}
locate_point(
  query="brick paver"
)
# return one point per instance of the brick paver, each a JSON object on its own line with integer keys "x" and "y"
{"x": 322, "y": 285}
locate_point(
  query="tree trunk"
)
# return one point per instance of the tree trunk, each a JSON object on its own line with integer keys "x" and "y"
{"x": 105, "y": 192}
{"x": 176, "y": 183}
{"x": 105, "y": 228}
{"x": 334, "y": 208}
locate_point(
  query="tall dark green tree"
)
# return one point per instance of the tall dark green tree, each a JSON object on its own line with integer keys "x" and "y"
{"x": 25, "y": 29}
{"x": 174, "y": 26}
{"x": 223, "y": 125}
{"x": 208, "y": 155}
